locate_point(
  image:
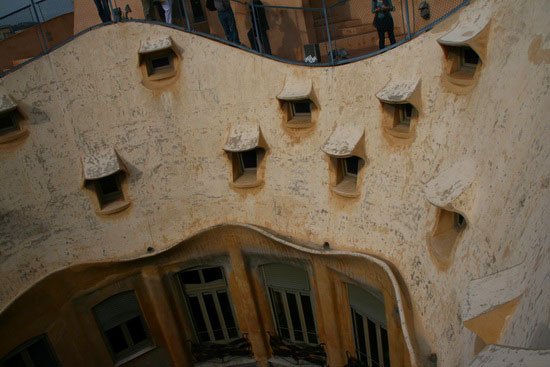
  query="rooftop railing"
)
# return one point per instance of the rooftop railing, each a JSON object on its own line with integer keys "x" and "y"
{"x": 326, "y": 32}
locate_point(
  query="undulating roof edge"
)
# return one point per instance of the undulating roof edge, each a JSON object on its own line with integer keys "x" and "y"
{"x": 244, "y": 48}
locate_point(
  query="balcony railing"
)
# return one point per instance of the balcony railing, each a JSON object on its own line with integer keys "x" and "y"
{"x": 298, "y": 353}
{"x": 328, "y": 32}
{"x": 221, "y": 353}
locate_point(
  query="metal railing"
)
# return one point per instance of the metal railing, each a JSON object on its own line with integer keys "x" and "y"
{"x": 329, "y": 32}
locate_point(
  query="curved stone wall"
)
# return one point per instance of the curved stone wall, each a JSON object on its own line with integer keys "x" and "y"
{"x": 87, "y": 96}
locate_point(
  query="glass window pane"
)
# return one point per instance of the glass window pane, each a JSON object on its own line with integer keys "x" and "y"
{"x": 41, "y": 354}
{"x": 278, "y": 309}
{"x": 116, "y": 339}
{"x": 198, "y": 319}
{"x": 227, "y": 314}
{"x": 373, "y": 342}
{"x": 213, "y": 316}
{"x": 360, "y": 341}
{"x": 136, "y": 329}
{"x": 385, "y": 347}
{"x": 295, "y": 316}
{"x": 309, "y": 319}
{"x": 190, "y": 277}
{"x": 212, "y": 274}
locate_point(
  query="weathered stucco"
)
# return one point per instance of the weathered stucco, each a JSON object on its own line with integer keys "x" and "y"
{"x": 88, "y": 94}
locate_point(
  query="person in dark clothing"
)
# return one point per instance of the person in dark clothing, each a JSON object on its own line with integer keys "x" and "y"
{"x": 227, "y": 19}
{"x": 259, "y": 41}
{"x": 383, "y": 20}
{"x": 103, "y": 10}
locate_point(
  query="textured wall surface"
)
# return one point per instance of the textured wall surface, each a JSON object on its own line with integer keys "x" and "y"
{"x": 87, "y": 96}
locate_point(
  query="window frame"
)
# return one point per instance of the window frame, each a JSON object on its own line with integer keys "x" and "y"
{"x": 379, "y": 342}
{"x": 210, "y": 288}
{"x": 462, "y": 60}
{"x": 134, "y": 349}
{"x": 15, "y": 123}
{"x": 22, "y": 350}
{"x": 346, "y": 182}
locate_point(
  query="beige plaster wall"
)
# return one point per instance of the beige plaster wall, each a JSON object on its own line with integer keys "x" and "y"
{"x": 88, "y": 95}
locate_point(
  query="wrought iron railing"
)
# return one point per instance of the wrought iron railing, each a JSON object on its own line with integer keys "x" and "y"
{"x": 298, "y": 353}
{"x": 330, "y": 32}
{"x": 216, "y": 352}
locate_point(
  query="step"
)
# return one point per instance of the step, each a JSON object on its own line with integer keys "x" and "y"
{"x": 356, "y": 45}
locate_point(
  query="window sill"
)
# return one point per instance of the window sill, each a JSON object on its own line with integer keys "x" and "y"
{"x": 465, "y": 77}
{"x": 400, "y": 131}
{"x": 347, "y": 188}
{"x": 247, "y": 180}
{"x": 299, "y": 122}
{"x": 161, "y": 75}
{"x": 114, "y": 207}
{"x": 135, "y": 355}
{"x": 13, "y": 135}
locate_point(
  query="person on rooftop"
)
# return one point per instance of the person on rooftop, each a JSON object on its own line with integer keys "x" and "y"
{"x": 383, "y": 20}
{"x": 227, "y": 19}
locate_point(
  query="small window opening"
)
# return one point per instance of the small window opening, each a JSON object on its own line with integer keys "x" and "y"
{"x": 122, "y": 325}
{"x": 245, "y": 168}
{"x": 299, "y": 112}
{"x": 301, "y": 108}
{"x": 209, "y": 305}
{"x": 346, "y": 175}
{"x": 405, "y": 114}
{"x": 248, "y": 160}
{"x": 160, "y": 63}
{"x": 108, "y": 189}
{"x": 459, "y": 221}
{"x": 9, "y": 122}
{"x": 36, "y": 352}
{"x": 469, "y": 58}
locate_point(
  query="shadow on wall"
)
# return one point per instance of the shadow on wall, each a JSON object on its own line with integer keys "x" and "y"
{"x": 284, "y": 34}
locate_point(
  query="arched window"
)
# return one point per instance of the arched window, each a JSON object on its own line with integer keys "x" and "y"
{"x": 209, "y": 304}
{"x": 289, "y": 293}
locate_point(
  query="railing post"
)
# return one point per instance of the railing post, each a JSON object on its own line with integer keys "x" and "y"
{"x": 407, "y": 19}
{"x": 257, "y": 38}
{"x": 42, "y": 36}
{"x": 329, "y": 40}
{"x": 184, "y": 10}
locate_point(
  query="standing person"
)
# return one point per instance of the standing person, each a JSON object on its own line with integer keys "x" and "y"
{"x": 103, "y": 10}
{"x": 259, "y": 42}
{"x": 147, "y": 9}
{"x": 167, "y": 7}
{"x": 227, "y": 19}
{"x": 383, "y": 20}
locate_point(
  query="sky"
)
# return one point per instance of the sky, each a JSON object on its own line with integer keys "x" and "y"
{"x": 46, "y": 10}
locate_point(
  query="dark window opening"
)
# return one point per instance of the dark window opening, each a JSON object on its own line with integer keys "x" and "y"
{"x": 108, "y": 189}
{"x": 405, "y": 114}
{"x": 36, "y": 352}
{"x": 212, "y": 274}
{"x": 8, "y": 122}
{"x": 190, "y": 277}
{"x": 248, "y": 160}
{"x": 459, "y": 221}
{"x": 160, "y": 62}
{"x": 301, "y": 108}
{"x": 351, "y": 166}
{"x": 116, "y": 339}
{"x": 469, "y": 57}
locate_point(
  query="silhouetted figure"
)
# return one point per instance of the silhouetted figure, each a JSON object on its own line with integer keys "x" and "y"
{"x": 383, "y": 20}
{"x": 103, "y": 10}
{"x": 148, "y": 9}
{"x": 227, "y": 19}
{"x": 257, "y": 35}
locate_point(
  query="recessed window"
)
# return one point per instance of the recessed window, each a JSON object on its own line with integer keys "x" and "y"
{"x": 289, "y": 293}
{"x": 346, "y": 175}
{"x": 160, "y": 63}
{"x": 405, "y": 114}
{"x": 369, "y": 327}
{"x": 209, "y": 305}
{"x": 299, "y": 112}
{"x": 449, "y": 225}
{"x": 245, "y": 167}
{"x": 469, "y": 58}
{"x": 108, "y": 190}
{"x": 9, "y": 122}
{"x": 122, "y": 325}
{"x": 459, "y": 222}
{"x": 36, "y": 352}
